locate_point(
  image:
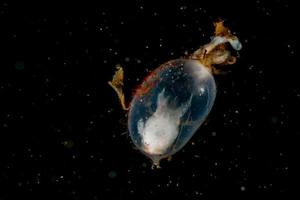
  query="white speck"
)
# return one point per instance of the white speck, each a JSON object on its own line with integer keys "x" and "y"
{"x": 201, "y": 91}
{"x": 243, "y": 188}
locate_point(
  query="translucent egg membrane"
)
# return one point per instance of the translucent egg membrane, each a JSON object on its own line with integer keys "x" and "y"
{"x": 170, "y": 106}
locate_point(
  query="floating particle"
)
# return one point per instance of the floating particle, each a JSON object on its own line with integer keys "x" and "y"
{"x": 20, "y": 65}
{"x": 112, "y": 174}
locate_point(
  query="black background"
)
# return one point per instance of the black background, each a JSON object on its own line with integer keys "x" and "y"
{"x": 64, "y": 135}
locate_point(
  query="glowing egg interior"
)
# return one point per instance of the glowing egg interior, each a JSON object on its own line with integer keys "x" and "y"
{"x": 170, "y": 106}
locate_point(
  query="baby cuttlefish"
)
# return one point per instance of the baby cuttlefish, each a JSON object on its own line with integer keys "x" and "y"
{"x": 173, "y": 100}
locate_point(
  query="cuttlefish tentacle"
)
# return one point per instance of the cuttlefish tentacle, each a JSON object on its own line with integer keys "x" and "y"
{"x": 215, "y": 52}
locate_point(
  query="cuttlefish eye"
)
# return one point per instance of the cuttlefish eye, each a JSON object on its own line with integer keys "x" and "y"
{"x": 164, "y": 119}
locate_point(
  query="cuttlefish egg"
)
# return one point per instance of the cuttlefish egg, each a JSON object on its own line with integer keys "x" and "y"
{"x": 170, "y": 105}
{"x": 174, "y": 100}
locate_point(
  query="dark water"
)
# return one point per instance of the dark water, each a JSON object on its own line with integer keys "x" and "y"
{"x": 63, "y": 134}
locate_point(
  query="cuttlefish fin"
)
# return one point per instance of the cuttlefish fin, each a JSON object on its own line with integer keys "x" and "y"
{"x": 117, "y": 84}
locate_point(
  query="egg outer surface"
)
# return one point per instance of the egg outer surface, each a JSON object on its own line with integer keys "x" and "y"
{"x": 169, "y": 106}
